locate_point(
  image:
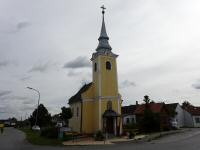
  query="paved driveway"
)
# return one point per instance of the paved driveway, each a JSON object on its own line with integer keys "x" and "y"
{"x": 13, "y": 139}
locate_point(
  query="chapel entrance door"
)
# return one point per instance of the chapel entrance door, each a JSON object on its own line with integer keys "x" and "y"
{"x": 110, "y": 125}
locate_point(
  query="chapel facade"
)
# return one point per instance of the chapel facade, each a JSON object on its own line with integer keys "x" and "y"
{"x": 97, "y": 105}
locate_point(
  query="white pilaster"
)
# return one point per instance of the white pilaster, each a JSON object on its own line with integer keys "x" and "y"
{"x": 99, "y": 98}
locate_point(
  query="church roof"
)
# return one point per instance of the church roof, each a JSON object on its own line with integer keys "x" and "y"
{"x": 103, "y": 38}
{"x": 77, "y": 96}
{"x": 110, "y": 113}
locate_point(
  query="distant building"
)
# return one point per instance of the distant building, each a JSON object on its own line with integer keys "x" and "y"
{"x": 179, "y": 114}
{"x": 157, "y": 108}
{"x": 128, "y": 114}
{"x": 8, "y": 122}
{"x": 192, "y": 116}
{"x": 97, "y": 105}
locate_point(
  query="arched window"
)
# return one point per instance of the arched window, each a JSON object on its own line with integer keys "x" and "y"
{"x": 95, "y": 67}
{"x": 108, "y": 65}
{"x": 109, "y": 105}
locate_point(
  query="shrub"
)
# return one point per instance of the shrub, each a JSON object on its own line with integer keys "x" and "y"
{"x": 99, "y": 136}
{"x": 130, "y": 126}
{"x": 49, "y": 132}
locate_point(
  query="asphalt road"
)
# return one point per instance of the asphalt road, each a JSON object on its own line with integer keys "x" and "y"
{"x": 13, "y": 139}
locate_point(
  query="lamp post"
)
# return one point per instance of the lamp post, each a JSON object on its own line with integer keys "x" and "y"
{"x": 30, "y": 88}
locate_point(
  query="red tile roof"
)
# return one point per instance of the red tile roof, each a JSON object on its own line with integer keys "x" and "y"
{"x": 195, "y": 111}
{"x": 154, "y": 107}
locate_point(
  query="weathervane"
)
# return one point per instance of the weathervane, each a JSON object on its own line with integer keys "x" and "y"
{"x": 103, "y": 9}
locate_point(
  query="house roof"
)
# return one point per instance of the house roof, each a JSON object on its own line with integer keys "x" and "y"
{"x": 172, "y": 107}
{"x": 195, "y": 111}
{"x": 129, "y": 110}
{"x": 77, "y": 96}
{"x": 154, "y": 107}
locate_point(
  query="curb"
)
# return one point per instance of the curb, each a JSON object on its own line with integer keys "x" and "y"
{"x": 161, "y": 134}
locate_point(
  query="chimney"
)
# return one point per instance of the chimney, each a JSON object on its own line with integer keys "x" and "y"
{"x": 136, "y": 102}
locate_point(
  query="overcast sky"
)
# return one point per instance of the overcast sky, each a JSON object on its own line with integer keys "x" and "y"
{"x": 47, "y": 45}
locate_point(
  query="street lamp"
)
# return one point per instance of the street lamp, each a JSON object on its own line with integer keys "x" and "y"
{"x": 30, "y": 88}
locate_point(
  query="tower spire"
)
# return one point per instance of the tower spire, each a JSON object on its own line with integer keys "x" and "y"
{"x": 103, "y": 38}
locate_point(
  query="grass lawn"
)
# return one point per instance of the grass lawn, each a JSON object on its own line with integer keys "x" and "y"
{"x": 34, "y": 138}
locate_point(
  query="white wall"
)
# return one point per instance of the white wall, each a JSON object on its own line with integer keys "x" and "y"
{"x": 196, "y": 124}
{"x": 130, "y": 117}
{"x": 75, "y": 121}
{"x": 180, "y": 116}
{"x": 188, "y": 119}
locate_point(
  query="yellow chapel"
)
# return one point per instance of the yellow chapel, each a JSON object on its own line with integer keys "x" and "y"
{"x": 97, "y": 105}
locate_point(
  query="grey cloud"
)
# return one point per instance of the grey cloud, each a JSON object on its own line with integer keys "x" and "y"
{"x": 127, "y": 83}
{"x": 196, "y": 85}
{"x": 41, "y": 67}
{"x": 16, "y": 28}
{"x": 5, "y": 63}
{"x": 19, "y": 97}
{"x": 79, "y": 62}
{"x": 25, "y": 78}
{"x": 27, "y": 108}
{"x": 22, "y": 25}
{"x": 9, "y": 97}
{"x": 5, "y": 93}
{"x": 72, "y": 73}
{"x": 28, "y": 102}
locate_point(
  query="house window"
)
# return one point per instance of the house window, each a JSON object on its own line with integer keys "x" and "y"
{"x": 108, "y": 65}
{"x": 95, "y": 67}
{"x": 77, "y": 111}
{"x": 197, "y": 120}
{"x": 127, "y": 121}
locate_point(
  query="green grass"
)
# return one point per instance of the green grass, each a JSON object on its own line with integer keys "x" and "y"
{"x": 34, "y": 138}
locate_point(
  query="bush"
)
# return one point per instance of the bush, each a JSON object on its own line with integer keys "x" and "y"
{"x": 49, "y": 132}
{"x": 99, "y": 136}
{"x": 130, "y": 126}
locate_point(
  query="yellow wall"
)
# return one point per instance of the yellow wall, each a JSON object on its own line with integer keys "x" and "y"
{"x": 107, "y": 80}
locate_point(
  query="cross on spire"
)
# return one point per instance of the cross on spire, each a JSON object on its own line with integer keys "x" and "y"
{"x": 103, "y": 38}
{"x": 103, "y": 9}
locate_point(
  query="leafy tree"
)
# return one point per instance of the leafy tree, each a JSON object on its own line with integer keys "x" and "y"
{"x": 186, "y": 104}
{"x": 66, "y": 114}
{"x": 146, "y": 99}
{"x": 150, "y": 121}
{"x": 13, "y": 119}
{"x": 43, "y": 118}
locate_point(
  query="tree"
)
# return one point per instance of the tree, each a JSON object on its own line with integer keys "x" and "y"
{"x": 66, "y": 114}
{"x": 150, "y": 121}
{"x": 186, "y": 104}
{"x": 43, "y": 118}
{"x": 146, "y": 99}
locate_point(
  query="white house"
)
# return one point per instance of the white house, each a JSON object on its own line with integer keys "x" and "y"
{"x": 192, "y": 116}
{"x": 128, "y": 116}
{"x": 179, "y": 117}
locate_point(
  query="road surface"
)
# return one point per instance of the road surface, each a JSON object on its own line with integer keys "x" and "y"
{"x": 13, "y": 139}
